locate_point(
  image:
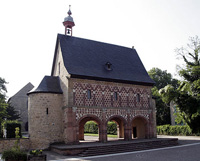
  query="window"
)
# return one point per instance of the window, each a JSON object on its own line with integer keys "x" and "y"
{"x": 115, "y": 96}
{"x": 138, "y": 97}
{"x": 47, "y": 111}
{"x": 108, "y": 66}
{"x": 149, "y": 102}
{"x": 89, "y": 94}
{"x": 59, "y": 68}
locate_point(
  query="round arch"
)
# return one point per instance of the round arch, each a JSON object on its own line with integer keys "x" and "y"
{"x": 121, "y": 124}
{"x": 81, "y": 122}
{"x": 139, "y": 127}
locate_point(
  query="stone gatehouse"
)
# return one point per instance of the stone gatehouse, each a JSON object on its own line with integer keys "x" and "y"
{"x": 91, "y": 80}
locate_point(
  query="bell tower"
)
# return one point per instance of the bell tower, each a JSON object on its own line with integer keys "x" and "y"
{"x": 68, "y": 23}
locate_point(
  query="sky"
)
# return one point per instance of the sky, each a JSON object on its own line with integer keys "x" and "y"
{"x": 28, "y": 31}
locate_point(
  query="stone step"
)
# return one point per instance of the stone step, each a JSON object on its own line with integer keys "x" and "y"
{"x": 125, "y": 148}
{"x": 112, "y": 147}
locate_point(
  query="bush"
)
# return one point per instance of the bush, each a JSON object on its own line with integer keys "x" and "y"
{"x": 92, "y": 127}
{"x": 14, "y": 154}
{"x": 174, "y": 130}
{"x": 10, "y": 126}
{"x": 112, "y": 128}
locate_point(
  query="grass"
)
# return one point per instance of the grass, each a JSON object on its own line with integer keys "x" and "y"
{"x": 111, "y": 136}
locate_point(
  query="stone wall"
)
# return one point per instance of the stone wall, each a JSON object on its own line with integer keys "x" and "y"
{"x": 45, "y": 119}
{"x": 6, "y": 144}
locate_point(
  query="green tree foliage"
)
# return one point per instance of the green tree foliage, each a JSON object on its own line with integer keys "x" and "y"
{"x": 3, "y": 104}
{"x": 161, "y": 78}
{"x": 6, "y": 110}
{"x": 187, "y": 96}
{"x": 11, "y": 113}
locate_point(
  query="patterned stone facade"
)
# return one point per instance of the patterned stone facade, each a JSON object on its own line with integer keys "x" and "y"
{"x": 95, "y": 100}
{"x": 103, "y": 95}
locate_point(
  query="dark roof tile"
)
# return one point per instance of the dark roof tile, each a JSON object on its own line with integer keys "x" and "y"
{"x": 49, "y": 84}
{"x": 88, "y": 58}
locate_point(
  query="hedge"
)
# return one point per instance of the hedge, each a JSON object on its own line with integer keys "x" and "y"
{"x": 10, "y": 126}
{"x": 174, "y": 130}
{"x": 92, "y": 127}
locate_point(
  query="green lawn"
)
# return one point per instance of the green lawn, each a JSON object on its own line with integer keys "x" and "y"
{"x": 111, "y": 136}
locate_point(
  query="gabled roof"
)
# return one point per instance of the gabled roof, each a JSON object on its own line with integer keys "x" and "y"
{"x": 89, "y": 59}
{"x": 49, "y": 84}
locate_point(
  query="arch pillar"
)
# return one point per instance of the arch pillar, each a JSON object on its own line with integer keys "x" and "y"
{"x": 127, "y": 132}
{"x": 103, "y": 132}
{"x": 81, "y": 132}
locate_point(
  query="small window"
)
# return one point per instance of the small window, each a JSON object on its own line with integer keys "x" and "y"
{"x": 89, "y": 94}
{"x": 59, "y": 68}
{"x": 149, "y": 102}
{"x": 115, "y": 96}
{"x": 138, "y": 97}
{"x": 108, "y": 66}
{"x": 47, "y": 111}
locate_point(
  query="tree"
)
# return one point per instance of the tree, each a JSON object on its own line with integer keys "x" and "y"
{"x": 3, "y": 104}
{"x": 11, "y": 113}
{"x": 161, "y": 78}
{"x": 187, "y": 96}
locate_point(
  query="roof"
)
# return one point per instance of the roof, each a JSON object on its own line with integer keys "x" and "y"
{"x": 49, "y": 84}
{"x": 89, "y": 59}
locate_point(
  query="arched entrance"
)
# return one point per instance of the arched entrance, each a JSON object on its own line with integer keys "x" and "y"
{"x": 139, "y": 128}
{"x": 81, "y": 124}
{"x": 121, "y": 123}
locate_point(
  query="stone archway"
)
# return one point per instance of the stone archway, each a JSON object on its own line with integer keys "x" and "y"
{"x": 82, "y": 122}
{"x": 121, "y": 124}
{"x": 139, "y": 128}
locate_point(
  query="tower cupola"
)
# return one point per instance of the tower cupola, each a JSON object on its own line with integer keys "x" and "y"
{"x": 68, "y": 23}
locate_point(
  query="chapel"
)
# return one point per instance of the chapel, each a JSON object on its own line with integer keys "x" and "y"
{"x": 91, "y": 81}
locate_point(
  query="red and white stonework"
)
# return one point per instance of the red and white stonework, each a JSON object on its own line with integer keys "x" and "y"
{"x": 65, "y": 120}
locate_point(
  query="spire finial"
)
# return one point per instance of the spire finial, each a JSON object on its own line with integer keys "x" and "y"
{"x": 69, "y": 12}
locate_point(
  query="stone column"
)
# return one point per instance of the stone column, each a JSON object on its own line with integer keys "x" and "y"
{"x": 81, "y": 132}
{"x": 103, "y": 128}
{"x": 70, "y": 126}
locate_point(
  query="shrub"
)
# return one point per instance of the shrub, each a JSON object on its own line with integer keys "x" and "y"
{"x": 112, "y": 128}
{"x": 10, "y": 126}
{"x": 92, "y": 127}
{"x": 14, "y": 154}
{"x": 174, "y": 130}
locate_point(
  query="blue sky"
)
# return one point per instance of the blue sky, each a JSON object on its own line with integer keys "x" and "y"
{"x": 154, "y": 27}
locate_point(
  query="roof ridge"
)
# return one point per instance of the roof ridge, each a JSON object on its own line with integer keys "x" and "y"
{"x": 106, "y": 43}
